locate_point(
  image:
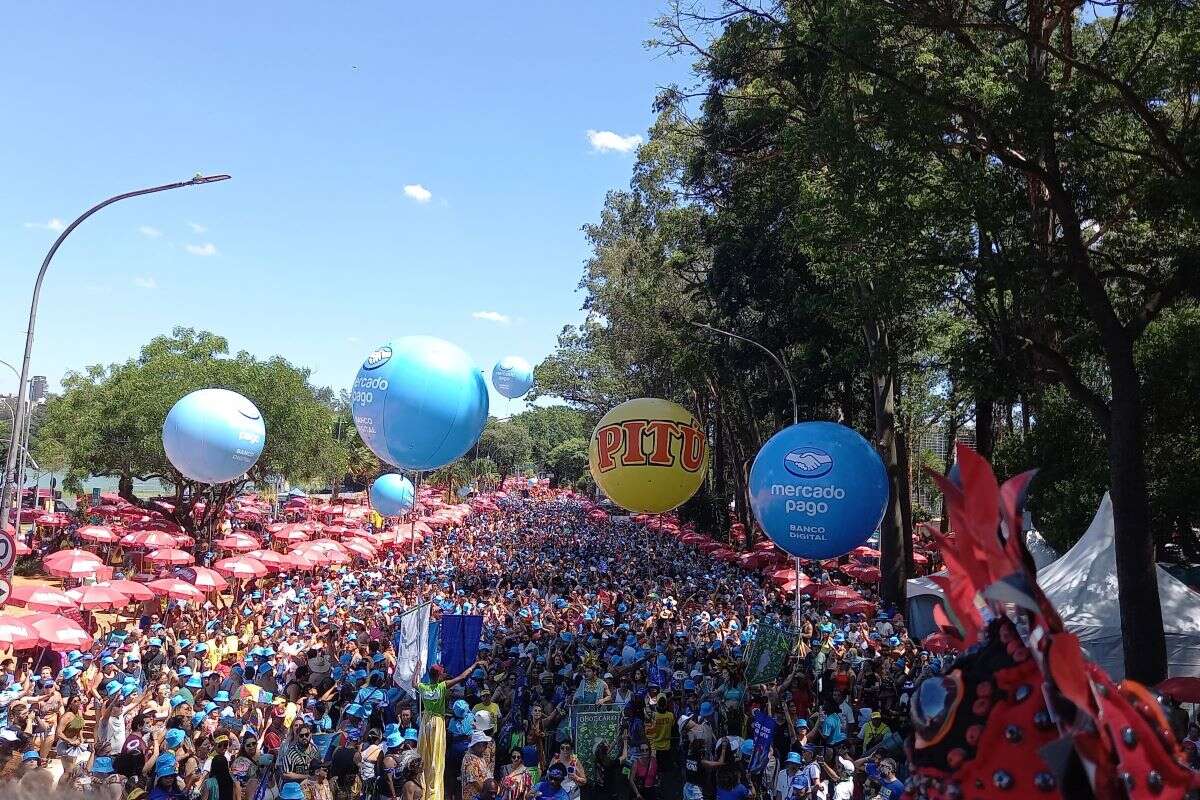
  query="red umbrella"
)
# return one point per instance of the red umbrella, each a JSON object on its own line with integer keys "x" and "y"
{"x": 104, "y": 511}
{"x": 149, "y": 540}
{"x": 1185, "y": 690}
{"x": 17, "y": 632}
{"x": 40, "y": 598}
{"x": 843, "y": 607}
{"x": 22, "y": 549}
{"x": 133, "y": 589}
{"x": 61, "y": 634}
{"x": 302, "y": 561}
{"x": 96, "y": 596}
{"x": 240, "y": 542}
{"x": 361, "y": 548}
{"x": 241, "y": 567}
{"x": 53, "y": 520}
{"x": 831, "y": 593}
{"x": 270, "y": 559}
{"x": 290, "y": 533}
{"x": 208, "y": 580}
{"x": 74, "y": 566}
{"x": 69, "y": 555}
{"x": 940, "y": 643}
{"x": 169, "y": 555}
{"x": 97, "y": 533}
{"x": 920, "y": 558}
{"x": 176, "y": 588}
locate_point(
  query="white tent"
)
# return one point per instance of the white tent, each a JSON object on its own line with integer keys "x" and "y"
{"x": 1082, "y": 585}
{"x": 923, "y": 594}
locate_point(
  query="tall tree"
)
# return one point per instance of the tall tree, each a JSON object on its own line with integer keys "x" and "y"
{"x": 108, "y": 421}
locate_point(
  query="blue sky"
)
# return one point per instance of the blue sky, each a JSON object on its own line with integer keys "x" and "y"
{"x": 398, "y": 168}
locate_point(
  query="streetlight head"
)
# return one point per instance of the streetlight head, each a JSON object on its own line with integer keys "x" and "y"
{"x": 198, "y": 179}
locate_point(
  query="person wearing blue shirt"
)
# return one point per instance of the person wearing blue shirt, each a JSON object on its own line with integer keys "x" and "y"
{"x": 890, "y": 788}
{"x": 552, "y": 787}
{"x": 831, "y": 728}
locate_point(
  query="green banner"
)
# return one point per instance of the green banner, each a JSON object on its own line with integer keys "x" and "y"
{"x": 593, "y": 725}
{"x": 768, "y": 653}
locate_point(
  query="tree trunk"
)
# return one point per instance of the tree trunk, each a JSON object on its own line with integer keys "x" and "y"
{"x": 891, "y": 530}
{"x": 985, "y": 427}
{"x": 951, "y": 441}
{"x": 904, "y": 468}
{"x": 1137, "y": 575}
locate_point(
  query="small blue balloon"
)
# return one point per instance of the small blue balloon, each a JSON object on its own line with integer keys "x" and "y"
{"x": 392, "y": 494}
{"x": 818, "y": 489}
{"x": 512, "y": 376}
{"x": 213, "y": 435}
{"x": 419, "y": 402}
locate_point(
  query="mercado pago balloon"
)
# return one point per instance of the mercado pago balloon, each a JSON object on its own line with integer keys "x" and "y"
{"x": 818, "y": 489}
{"x": 648, "y": 455}
{"x": 213, "y": 435}
{"x": 512, "y": 376}
{"x": 419, "y": 402}
{"x": 392, "y": 495}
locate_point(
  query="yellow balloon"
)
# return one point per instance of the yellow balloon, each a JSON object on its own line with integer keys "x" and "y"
{"x": 648, "y": 455}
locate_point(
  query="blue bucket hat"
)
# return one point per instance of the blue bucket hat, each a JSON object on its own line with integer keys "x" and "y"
{"x": 174, "y": 738}
{"x": 102, "y": 765}
{"x": 291, "y": 791}
{"x": 410, "y": 735}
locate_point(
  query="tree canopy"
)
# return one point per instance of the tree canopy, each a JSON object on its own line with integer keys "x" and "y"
{"x": 108, "y": 421}
{"x": 975, "y": 220}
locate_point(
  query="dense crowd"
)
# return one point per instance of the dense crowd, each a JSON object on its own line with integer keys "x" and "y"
{"x": 289, "y": 690}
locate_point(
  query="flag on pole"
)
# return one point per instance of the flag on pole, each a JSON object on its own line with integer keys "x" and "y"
{"x": 412, "y": 646}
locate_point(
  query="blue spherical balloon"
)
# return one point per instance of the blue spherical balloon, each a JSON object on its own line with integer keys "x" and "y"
{"x": 419, "y": 402}
{"x": 818, "y": 489}
{"x": 392, "y": 494}
{"x": 512, "y": 376}
{"x": 213, "y": 435}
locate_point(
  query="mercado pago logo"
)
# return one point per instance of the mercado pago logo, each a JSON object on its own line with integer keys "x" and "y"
{"x": 649, "y": 442}
{"x": 811, "y": 500}
{"x": 378, "y": 358}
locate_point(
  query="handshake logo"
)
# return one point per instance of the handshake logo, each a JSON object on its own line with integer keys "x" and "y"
{"x": 808, "y": 462}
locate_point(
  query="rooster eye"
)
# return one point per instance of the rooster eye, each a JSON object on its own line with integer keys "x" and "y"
{"x": 933, "y": 706}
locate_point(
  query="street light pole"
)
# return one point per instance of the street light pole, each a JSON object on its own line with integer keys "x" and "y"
{"x": 10, "y": 462}
{"x": 795, "y": 420}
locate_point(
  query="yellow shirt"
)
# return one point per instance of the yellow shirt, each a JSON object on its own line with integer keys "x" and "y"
{"x": 659, "y": 730}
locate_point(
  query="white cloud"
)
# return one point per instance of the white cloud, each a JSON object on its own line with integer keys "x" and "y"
{"x": 54, "y": 224}
{"x": 197, "y": 227}
{"x": 145, "y": 282}
{"x": 206, "y": 249}
{"x": 609, "y": 142}
{"x": 149, "y": 232}
{"x": 418, "y": 192}
{"x": 352, "y": 339}
{"x": 492, "y": 316}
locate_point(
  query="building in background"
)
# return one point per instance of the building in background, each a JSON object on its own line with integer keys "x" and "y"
{"x": 38, "y": 388}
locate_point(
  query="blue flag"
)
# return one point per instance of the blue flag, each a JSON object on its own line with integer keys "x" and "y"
{"x": 460, "y": 641}
{"x": 763, "y": 731}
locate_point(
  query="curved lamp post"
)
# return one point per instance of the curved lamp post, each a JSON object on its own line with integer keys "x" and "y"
{"x": 19, "y": 423}
{"x": 795, "y": 420}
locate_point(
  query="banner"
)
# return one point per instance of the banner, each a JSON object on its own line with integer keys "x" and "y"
{"x": 412, "y": 645}
{"x": 762, "y": 729}
{"x": 593, "y": 725}
{"x": 460, "y": 642}
{"x": 767, "y": 654}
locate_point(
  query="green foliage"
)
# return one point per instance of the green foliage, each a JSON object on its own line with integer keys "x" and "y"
{"x": 549, "y": 427}
{"x": 108, "y": 421}
{"x": 568, "y": 462}
{"x": 507, "y": 444}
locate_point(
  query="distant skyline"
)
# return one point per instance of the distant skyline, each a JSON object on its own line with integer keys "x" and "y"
{"x": 415, "y": 170}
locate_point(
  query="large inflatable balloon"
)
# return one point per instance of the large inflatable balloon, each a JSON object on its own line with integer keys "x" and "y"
{"x": 648, "y": 455}
{"x": 419, "y": 402}
{"x": 213, "y": 435}
{"x": 818, "y": 489}
{"x": 512, "y": 376}
{"x": 392, "y": 495}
